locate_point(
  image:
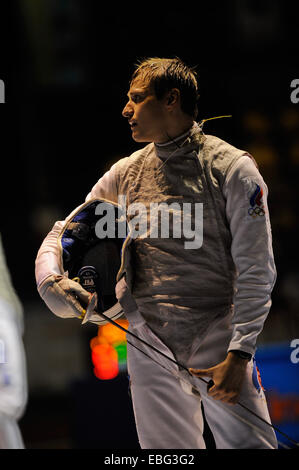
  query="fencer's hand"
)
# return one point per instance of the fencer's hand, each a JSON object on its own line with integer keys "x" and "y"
{"x": 228, "y": 377}
{"x": 64, "y": 297}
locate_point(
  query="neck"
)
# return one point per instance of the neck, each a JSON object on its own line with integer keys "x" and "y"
{"x": 173, "y": 138}
{"x": 175, "y": 130}
{"x": 163, "y": 150}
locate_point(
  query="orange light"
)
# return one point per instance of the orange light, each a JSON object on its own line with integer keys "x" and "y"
{"x": 108, "y": 350}
{"x": 105, "y": 361}
{"x": 111, "y": 333}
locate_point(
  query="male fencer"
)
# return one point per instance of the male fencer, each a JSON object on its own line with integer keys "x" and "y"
{"x": 201, "y": 301}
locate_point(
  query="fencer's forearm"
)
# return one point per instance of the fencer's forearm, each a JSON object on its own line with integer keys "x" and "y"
{"x": 47, "y": 260}
{"x": 252, "y": 254}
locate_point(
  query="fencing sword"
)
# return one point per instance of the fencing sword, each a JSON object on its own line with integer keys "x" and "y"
{"x": 90, "y": 317}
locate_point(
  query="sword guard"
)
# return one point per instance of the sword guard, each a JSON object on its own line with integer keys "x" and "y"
{"x": 90, "y": 309}
{"x": 98, "y": 318}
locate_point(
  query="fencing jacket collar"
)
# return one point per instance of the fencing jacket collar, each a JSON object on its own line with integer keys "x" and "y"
{"x": 187, "y": 142}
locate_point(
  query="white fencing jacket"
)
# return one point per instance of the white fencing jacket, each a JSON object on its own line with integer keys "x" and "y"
{"x": 182, "y": 292}
{"x": 13, "y": 370}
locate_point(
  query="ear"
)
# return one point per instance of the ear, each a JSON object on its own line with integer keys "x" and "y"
{"x": 172, "y": 97}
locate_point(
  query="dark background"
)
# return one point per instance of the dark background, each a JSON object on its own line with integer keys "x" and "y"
{"x": 66, "y": 67}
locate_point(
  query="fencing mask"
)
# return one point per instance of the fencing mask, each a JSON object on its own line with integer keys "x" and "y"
{"x": 91, "y": 252}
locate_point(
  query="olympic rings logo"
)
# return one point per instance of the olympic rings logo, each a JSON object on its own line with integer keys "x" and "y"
{"x": 256, "y": 211}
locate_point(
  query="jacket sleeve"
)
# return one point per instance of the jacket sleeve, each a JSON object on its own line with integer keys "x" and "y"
{"x": 47, "y": 260}
{"x": 247, "y": 213}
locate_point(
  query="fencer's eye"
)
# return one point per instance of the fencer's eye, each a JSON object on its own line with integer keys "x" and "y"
{"x": 137, "y": 98}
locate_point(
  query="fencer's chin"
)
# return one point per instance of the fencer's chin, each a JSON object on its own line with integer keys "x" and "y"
{"x": 137, "y": 137}
{"x": 140, "y": 139}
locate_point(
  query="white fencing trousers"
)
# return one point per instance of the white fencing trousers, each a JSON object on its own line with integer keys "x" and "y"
{"x": 167, "y": 408}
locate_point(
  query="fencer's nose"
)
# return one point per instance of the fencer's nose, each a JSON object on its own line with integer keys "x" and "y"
{"x": 128, "y": 111}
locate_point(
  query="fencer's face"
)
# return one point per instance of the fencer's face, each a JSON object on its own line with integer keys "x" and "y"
{"x": 147, "y": 116}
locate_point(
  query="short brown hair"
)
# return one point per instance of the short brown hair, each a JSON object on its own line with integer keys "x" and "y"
{"x": 165, "y": 74}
